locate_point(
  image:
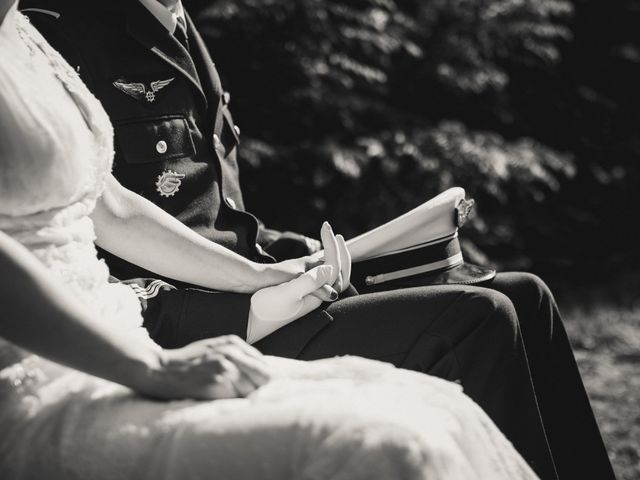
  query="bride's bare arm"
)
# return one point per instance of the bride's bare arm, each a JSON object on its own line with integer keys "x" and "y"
{"x": 138, "y": 231}
{"x": 41, "y": 316}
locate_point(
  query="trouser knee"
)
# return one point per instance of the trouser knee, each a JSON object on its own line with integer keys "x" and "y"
{"x": 477, "y": 338}
{"x": 537, "y": 310}
{"x": 498, "y": 316}
{"x": 526, "y": 289}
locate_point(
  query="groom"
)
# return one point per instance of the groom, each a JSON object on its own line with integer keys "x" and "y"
{"x": 176, "y": 145}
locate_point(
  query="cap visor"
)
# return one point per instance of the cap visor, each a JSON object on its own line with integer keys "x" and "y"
{"x": 464, "y": 274}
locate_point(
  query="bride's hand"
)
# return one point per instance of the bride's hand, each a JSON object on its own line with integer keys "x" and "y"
{"x": 215, "y": 368}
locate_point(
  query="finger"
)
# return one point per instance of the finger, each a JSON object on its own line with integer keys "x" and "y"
{"x": 325, "y": 294}
{"x": 315, "y": 282}
{"x": 313, "y": 261}
{"x": 224, "y": 353}
{"x": 310, "y": 281}
{"x": 331, "y": 256}
{"x": 241, "y": 382}
{"x": 233, "y": 381}
{"x": 256, "y": 371}
{"x": 245, "y": 347}
{"x": 256, "y": 375}
{"x": 220, "y": 387}
{"x": 214, "y": 345}
{"x": 194, "y": 357}
{"x": 244, "y": 385}
{"x": 312, "y": 244}
{"x": 315, "y": 258}
{"x": 345, "y": 262}
{"x": 206, "y": 365}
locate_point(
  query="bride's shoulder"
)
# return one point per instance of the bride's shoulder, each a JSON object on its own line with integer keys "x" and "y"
{"x": 9, "y": 83}
{"x": 19, "y": 110}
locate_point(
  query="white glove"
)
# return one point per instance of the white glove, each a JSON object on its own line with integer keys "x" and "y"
{"x": 337, "y": 255}
{"x": 274, "y": 307}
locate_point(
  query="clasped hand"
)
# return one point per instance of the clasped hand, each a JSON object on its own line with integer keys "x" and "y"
{"x": 276, "y": 306}
{"x": 214, "y": 368}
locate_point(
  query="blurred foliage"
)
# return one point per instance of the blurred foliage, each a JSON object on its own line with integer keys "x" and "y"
{"x": 358, "y": 111}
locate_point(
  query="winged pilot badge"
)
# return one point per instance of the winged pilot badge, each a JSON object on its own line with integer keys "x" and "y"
{"x": 139, "y": 90}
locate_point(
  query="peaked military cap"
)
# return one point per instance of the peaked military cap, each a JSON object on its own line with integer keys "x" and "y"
{"x": 422, "y": 243}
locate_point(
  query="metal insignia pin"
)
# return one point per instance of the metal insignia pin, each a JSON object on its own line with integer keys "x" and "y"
{"x": 140, "y": 91}
{"x": 463, "y": 211}
{"x": 169, "y": 183}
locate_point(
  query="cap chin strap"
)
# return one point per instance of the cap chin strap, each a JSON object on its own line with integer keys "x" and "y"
{"x": 445, "y": 264}
{"x": 432, "y": 257}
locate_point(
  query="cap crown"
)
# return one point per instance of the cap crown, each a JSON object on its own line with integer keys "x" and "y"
{"x": 430, "y": 222}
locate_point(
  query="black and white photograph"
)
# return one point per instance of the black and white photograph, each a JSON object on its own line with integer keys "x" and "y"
{"x": 319, "y": 240}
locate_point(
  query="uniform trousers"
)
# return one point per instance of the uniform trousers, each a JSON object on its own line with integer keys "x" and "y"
{"x": 504, "y": 342}
{"x": 572, "y": 430}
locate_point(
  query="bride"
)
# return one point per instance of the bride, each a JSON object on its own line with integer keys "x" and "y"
{"x": 73, "y": 352}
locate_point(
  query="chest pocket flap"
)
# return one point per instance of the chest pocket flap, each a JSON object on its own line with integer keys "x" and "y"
{"x": 154, "y": 140}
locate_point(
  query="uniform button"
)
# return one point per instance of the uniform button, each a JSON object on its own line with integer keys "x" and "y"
{"x": 161, "y": 146}
{"x": 237, "y": 129}
{"x": 226, "y": 98}
{"x": 231, "y": 202}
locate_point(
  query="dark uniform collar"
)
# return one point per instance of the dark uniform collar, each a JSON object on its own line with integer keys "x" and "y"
{"x": 200, "y": 55}
{"x": 143, "y": 27}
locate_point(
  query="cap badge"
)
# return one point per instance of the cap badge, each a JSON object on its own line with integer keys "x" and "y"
{"x": 169, "y": 183}
{"x": 463, "y": 211}
{"x": 139, "y": 90}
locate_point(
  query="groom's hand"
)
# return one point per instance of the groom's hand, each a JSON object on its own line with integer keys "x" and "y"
{"x": 335, "y": 253}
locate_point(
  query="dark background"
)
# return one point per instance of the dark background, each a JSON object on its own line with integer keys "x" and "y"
{"x": 357, "y": 111}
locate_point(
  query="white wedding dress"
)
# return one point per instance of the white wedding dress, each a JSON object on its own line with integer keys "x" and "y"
{"x": 343, "y": 418}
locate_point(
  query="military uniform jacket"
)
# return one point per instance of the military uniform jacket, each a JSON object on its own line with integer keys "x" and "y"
{"x": 176, "y": 141}
{"x": 176, "y": 145}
